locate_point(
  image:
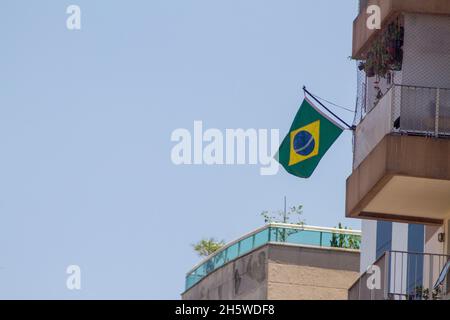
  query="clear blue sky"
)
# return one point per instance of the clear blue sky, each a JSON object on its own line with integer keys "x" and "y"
{"x": 85, "y": 122}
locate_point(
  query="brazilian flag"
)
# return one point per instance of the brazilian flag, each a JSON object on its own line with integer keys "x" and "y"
{"x": 312, "y": 134}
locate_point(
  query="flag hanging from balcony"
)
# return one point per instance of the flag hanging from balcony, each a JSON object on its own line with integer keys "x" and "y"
{"x": 311, "y": 135}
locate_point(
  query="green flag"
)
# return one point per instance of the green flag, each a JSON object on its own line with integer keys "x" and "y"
{"x": 312, "y": 134}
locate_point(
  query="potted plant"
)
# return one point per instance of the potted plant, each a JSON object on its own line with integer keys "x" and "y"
{"x": 386, "y": 53}
{"x": 369, "y": 67}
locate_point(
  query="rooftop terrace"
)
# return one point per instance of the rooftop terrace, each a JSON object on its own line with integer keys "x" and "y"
{"x": 287, "y": 234}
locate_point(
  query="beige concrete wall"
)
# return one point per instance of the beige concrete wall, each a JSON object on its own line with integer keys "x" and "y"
{"x": 361, "y": 34}
{"x": 402, "y": 158}
{"x": 359, "y": 290}
{"x": 242, "y": 279}
{"x": 290, "y": 282}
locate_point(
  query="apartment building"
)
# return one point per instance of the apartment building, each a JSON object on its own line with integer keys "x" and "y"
{"x": 279, "y": 262}
{"x": 400, "y": 184}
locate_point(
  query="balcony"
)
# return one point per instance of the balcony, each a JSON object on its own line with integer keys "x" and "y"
{"x": 405, "y": 276}
{"x": 402, "y": 158}
{"x": 362, "y": 36}
{"x": 295, "y": 235}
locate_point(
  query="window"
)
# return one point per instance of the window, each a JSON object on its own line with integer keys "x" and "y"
{"x": 384, "y": 237}
{"x": 416, "y": 245}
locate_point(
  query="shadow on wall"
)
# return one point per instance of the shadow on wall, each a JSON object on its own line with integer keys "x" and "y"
{"x": 245, "y": 278}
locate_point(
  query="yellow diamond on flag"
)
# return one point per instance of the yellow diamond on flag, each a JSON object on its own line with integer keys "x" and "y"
{"x": 304, "y": 143}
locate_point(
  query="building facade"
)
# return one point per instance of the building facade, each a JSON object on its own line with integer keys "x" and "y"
{"x": 400, "y": 184}
{"x": 279, "y": 262}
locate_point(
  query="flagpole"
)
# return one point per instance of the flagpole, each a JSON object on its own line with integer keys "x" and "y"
{"x": 331, "y": 112}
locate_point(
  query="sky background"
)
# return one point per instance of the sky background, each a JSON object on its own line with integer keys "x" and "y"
{"x": 86, "y": 117}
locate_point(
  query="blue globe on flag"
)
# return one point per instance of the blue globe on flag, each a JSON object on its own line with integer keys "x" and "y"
{"x": 304, "y": 143}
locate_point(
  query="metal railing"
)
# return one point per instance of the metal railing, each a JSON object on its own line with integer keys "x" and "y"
{"x": 404, "y": 276}
{"x": 414, "y": 276}
{"x": 406, "y": 110}
{"x": 421, "y": 110}
{"x": 274, "y": 233}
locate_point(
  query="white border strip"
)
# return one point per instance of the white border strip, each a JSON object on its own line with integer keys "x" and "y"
{"x": 325, "y": 115}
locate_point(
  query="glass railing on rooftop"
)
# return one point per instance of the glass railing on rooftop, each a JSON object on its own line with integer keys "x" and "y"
{"x": 274, "y": 233}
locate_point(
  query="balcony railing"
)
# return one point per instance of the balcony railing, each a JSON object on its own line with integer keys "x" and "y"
{"x": 274, "y": 233}
{"x": 404, "y": 276}
{"x": 409, "y": 110}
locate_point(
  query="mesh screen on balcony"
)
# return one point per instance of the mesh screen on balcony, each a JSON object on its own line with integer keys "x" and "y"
{"x": 404, "y": 85}
{"x": 424, "y": 62}
{"x": 426, "y": 59}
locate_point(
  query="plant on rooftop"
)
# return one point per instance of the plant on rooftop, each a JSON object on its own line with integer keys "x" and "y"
{"x": 345, "y": 241}
{"x": 207, "y": 247}
{"x": 291, "y": 216}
